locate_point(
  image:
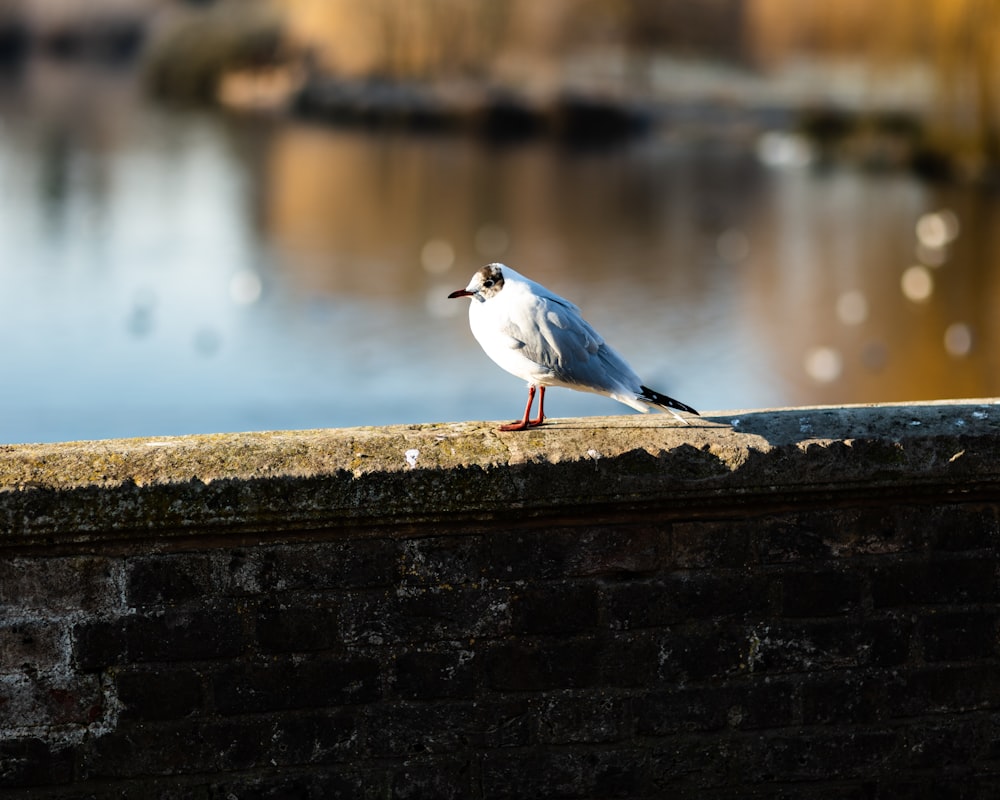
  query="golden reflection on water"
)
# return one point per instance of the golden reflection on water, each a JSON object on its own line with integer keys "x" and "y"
{"x": 750, "y": 284}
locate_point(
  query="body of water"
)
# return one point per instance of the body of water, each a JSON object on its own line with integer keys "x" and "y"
{"x": 166, "y": 273}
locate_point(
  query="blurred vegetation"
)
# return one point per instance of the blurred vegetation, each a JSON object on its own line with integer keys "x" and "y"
{"x": 430, "y": 38}
{"x": 952, "y": 43}
{"x": 423, "y": 39}
{"x": 195, "y": 47}
{"x": 956, "y": 40}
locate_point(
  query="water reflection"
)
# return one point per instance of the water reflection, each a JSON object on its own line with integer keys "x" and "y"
{"x": 170, "y": 273}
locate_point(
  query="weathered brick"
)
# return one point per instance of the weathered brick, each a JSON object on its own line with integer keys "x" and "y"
{"x": 298, "y": 624}
{"x": 651, "y": 659}
{"x": 353, "y": 564}
{"x": 428, "y": 674}
{"x": 935, "y": 581}
{"x": 555, "y": 609}
{"x": 913, "y": 528}
{"x": 823, "y": 754}
{"x": 159, "y": 693}
{"x": 604, "y": 550}
{"x": 99, "y": 643}
{"x": 960, "y": 635}
{"x": 741, "y": 706}
{"x": 699, "y": 764}
{"x": 342, "y": 782}
{"x": 874, "y": 530}
{"x": 243, "y": 573}
{"x": 160, "y": 787}
{"x": 41, "y": 700}
{"x": 709, "y": 544}
{"x": 989, "y": 736}
{"x": 504, "y": 722}
{"x": 416, "y": 730}
{"x": 684, "y": 596}
{"x": 886, "y": 642}
{"x": 202, "y": 746}
{"x": 953, "y": 527}
{"x": 59, "y": 583}
{"x": 526, "y": 775}
{"x": 533, "y": 666}
{"x": 411, "y": 614}
{"x": 445, "y": 779}
{"x": 819, "y": 535}
{"x": 186, "y": 635}
{"x": 32, "y": 762}
{"x": 938, "y": 745}
{"x": 796, "y": 538}
{"x": 529, "y": 554}
{"x": 137, "y": 748}
{"x": 441, "y": 560}
{"x": 174, "y": 635}
{"x": 33, "y": 642}
{"x": 941, "y": 689}
{"x": 167, "y": 580}
{"x": 699, "y": 652}
{"x": 849, "y": 697}
{"x": 300, "y": 683}
{"x": 809, "y": 646}
{"x": 582, "y": 717}
{"x": 231, "y": 745}
{"x": 631, "y": 660}
{"x": 311, "y": 738}
{"x": 820, "y": 594}
{"x": 940, "y": 785}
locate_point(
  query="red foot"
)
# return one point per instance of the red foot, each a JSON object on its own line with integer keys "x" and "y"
{"x": 526, "y": 423}
{"x": 522, "y": 425}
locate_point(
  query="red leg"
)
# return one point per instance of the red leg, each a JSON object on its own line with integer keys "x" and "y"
{"x": 541, "y": 407}
{"x": 524, "y": 423}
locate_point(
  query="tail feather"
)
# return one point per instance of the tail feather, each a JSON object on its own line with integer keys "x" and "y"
{"x": 649, "y": 396}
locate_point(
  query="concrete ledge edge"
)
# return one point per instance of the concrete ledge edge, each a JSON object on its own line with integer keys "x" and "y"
{"x": 264, "y": 483}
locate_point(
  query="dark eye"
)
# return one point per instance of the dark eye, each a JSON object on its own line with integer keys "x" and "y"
{"x": 488, "y": 284}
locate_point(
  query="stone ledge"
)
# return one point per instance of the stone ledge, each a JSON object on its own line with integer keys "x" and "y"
{"x": 266, "y": 483}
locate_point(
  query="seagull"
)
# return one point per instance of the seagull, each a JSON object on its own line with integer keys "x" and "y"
{"x": 540, "y": 337}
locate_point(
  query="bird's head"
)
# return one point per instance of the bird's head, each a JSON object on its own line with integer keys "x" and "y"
{"x": 486, "y": 283}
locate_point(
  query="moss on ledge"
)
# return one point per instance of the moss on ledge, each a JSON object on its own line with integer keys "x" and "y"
{"x": 264, "y": 483}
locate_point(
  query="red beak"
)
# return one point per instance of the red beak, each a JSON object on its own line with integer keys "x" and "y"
{"x": 461, "y": 293}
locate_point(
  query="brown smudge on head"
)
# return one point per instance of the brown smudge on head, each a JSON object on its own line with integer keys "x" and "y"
{"x": 490, "y": 280}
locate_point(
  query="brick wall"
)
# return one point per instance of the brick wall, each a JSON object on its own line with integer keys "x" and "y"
{"x": 781, "y": 608}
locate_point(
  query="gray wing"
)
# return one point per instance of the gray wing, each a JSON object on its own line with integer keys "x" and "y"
{"x": 553, "y": 334}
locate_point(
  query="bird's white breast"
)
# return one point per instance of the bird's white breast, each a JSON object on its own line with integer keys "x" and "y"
{"x": 500, "y": 326}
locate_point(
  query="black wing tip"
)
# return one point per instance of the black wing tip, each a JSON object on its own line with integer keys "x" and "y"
{"x": 651, "y": 396}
